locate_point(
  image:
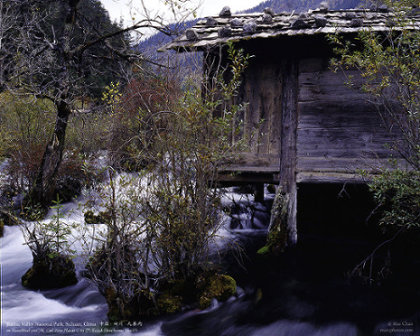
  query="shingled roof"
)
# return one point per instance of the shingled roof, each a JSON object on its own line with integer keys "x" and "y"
{"x": 211, "y": 31}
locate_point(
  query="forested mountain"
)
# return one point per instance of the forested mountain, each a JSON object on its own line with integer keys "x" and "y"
{"x": 302, "y": 5}
{"x": 150, "y": 45}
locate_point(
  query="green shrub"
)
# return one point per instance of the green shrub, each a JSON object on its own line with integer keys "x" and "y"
{"x": 397, "y": 193}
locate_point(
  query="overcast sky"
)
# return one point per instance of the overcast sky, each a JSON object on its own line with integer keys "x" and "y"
{"x": 120, "y": 8}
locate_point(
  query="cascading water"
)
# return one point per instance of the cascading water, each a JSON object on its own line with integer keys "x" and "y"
{"x": 299, "y": 294}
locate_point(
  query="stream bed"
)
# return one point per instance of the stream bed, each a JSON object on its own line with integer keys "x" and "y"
{"x": 304, "y": 292}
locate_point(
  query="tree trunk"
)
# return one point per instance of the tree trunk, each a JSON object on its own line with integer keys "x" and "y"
{"x": 44, "y": 186}
{"x": 283, "y": 223}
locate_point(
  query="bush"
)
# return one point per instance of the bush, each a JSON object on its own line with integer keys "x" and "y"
{"x": 134, "y": 124}
{"x": 25, "y": 127}
{"x": 397, "y": 193}
{"x": 52, "y": 265}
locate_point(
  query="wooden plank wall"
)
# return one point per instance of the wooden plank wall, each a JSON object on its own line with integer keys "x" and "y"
{"x": 261, "y": 89}
{"x": 339, "y": 131}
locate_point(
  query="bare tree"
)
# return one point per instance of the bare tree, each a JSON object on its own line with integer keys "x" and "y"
{"x": 62, "y": 50}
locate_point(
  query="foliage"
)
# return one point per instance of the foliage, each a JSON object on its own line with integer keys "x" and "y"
{"x": 397, "y": 193}
{"x": 64, "y": 52}
{"x": 25, "y": 125}
{"x": 48, "y": 241}
{"x": 389, "y": 64}
{"x": 164, "y": 218}
{"x": 132, "y": 109}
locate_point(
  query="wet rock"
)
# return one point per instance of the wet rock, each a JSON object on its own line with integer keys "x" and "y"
{"x": 139, "y": 306}
{"x": 54, "y": 272}
{"x": 271, "y": 188}
{"x": 67, "y": 188}
{"x": 250, "y": 27}
{"x": 267, "y": 18}
{"x": 224, "y": 32}
{"x": 103, "y": 217}
{"x": 225, "y": 12}
{"x": 320, "y": 21}
{"x": 356, "y": 23}
{"x": 169, "y": 304}
{"x": 236, "y": 23}
{"x": 191, "y": 35}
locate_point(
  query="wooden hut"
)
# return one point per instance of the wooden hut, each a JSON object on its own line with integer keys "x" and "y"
{"x": 308, "y": 125}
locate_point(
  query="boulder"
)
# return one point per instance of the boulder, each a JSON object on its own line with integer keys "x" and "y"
{"x": 56, "y": 272}
{"x": 300, "y": 24}
{"x": 225, "y": 12}
{"x": 217, "y": 286}
{"x": 267, "y": 19}
{"x": 320, "y": 21}
{"x": 211, "y": 22}
{"x": 356, "y": 23}
{"x": 250, "y": 27}
{"x": 268, "y": 11}
{"x": 224, "y": 32}
{"x": 191, "y": 35}
{"x": 236, "y": 23}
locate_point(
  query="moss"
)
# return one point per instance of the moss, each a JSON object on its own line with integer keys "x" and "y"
{"x": 1, "y": 228}
{"x": 57, "y": 272}
{"x": 218, "y": 286}
{"x": 169, "y": 304}
{"x": 140, "y": 306}
{"x": 277, "y": 235}
{"x": 264, "y": 250}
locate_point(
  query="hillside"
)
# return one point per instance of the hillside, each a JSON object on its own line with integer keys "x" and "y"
{"x": 302, "y": 5}
{"x": 149, "y": 46}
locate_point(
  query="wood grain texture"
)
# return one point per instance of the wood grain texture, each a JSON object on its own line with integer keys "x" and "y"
{"x": 339, "y": 129}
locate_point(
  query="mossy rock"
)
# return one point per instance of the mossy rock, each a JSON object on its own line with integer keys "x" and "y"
{"x": 57, "y": 272}
{"x": 102, "y": 217}
{"x": 264, "y": 250}
{"x": 218, "y": 286}
{"x": 8, "y": 219}
{"x": 1, "y": 228}
{"x": 67, "y": 188}
{"x": 123, "y": 309}
{"x": 168, "y": 303}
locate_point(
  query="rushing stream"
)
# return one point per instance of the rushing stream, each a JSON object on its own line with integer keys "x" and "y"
{"x": 305, "y": 292}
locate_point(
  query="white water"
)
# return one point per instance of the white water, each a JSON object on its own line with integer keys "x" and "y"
{"x": 81, "y": 310}
{"x": 77, "y": 309}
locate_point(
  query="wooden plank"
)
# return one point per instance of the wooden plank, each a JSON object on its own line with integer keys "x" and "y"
{"x": 261, "y": 90}
{"x": 319, "y": 177}
{"x": 349, "y": 165}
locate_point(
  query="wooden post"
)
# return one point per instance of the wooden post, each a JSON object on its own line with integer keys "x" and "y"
{"x": 259, "y": 192}
{"x": 283, "y": 216}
